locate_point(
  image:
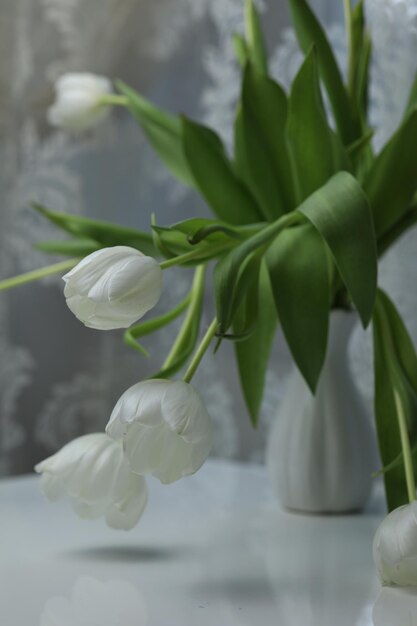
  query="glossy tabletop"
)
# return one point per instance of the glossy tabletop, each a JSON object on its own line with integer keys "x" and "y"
{"x": 213, "y": 549}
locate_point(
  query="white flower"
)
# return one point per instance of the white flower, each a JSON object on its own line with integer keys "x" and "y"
{"x": 92, "y": 470}
{"x": 165, "y": 427}
{"x": 78, "y": 103}
{"x": 395, "y": 547}
{"x": 113, "y": 287}
{"x": 395, "y": 607}
{"x": 94, "y": 603}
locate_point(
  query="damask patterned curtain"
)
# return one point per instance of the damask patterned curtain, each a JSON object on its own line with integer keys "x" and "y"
{"x": 58, "y": 379}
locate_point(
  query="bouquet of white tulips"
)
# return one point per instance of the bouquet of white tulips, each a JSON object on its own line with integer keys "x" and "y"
{"x": 302, "y": 211}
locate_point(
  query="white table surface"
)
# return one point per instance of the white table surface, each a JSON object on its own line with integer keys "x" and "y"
{"x": 213, "y": 549}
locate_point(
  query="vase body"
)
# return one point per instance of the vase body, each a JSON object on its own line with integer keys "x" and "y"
{"x": 321, "y": 450}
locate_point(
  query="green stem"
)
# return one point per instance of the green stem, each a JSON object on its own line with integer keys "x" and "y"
{"x": 201, "y": 350}
{"x": 114, "y": 99}
{"x": 195, "y": 298}
{"x": 29, "y": 277}
{"x": 191, "y": 256}
{"x": 406, "y": 447}
{"x": 348, "y": 19}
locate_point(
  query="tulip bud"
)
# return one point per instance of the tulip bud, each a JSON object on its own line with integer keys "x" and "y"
{"x": 78, "y": 103}
{"x": 395, "y": 547}
{"x": 165, "y": 428}
{"x": 92, "y": 470}
{"x": 113, "y": 287}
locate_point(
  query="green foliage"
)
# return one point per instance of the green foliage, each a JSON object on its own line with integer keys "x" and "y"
{"x": 253, "y": 353}
{"x": 256, "y": 45}
{"x": 102, "y": 233}
{"x": 299, "y": 268}
{"x": 392, "y": 180}
{"x": 341, "y": 214}
{"x": 214, "y": 174}
{"x": 310, "y": 32}
{"x": 395, "y": 365}
{"x": 228, "y": 284}
{"x": 317, "y": 152}
{"x": 163, "y": 132}
{"x": 261, "y": 149}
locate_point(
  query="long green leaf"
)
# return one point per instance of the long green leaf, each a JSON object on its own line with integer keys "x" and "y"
{"x": 263, "y": 143}
{"x": 255, "y": 40}
{"x": 299, "y": 268}
{"x": 102, "y": 232}
{"x": 163, "y": 132}
{"x": 341, "y": 214}
{"x": 395, "y": 364}
{"x": 309, "y": 31}
{"x": 392, "y": 180}
{"x": 71, "y": 247}
{"x": 224, "y": 192}
{"x": 253, "y": 354}
{"x": 241, "y": 49}
{"x": 316, "y": 150}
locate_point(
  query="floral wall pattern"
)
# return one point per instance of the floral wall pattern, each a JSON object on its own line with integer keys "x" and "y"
{"x": 58, "y": 379}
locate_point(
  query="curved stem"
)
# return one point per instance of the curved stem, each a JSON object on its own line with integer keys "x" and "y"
{"x": 201, "y": 350}
{"x": 191, "y": 256}
{"x": 29, "y": 277}
{"x": 195, "y": 298}
{"x": 114, "y": 99}
{"x": 406, "y": 447}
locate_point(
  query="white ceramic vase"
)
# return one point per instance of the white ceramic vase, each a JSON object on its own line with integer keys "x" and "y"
{"x": 321, "y": 450}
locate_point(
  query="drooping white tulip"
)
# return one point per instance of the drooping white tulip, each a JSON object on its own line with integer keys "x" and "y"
{"x": 113, "y": 287}
{"x": 395, "y": 547}
{"x": 165, "y": 428}
{"x": 78, "y": 104}
{"x": 93, "y": 472}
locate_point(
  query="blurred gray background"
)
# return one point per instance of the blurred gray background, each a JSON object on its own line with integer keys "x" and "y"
{"x": 58, "y": 379}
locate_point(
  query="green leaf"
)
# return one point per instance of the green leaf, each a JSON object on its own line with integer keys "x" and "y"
{"x": 241, "y": 49}
{"x": 408, "y": 220}
{"x": 412, "y": 98}
{"x": 224, "y": 192}
{"x": 341, "y": 214}
{"x": 262, "y": 155}
{"x": 255, "y": 39}
{"x": 163, "y": 132}
{"x": 395, "y": 364}
{"x": 253, "y": 353}
{"x": 299, "y": 268}
{"x": 231, "y": 266}
{"x": 309, "y": 31}
{"x": 316, "y": 150}
{"x": 72, "y": 247}
{"x": 206, "y": 238}
{"x": 392, "y": 180}
{"x": 103, "y": 233}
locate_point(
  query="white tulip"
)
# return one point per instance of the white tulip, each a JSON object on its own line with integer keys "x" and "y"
{"x": 113, "y": 287}
{"x": 165, "y": 428}
{"x": 92, "y": 470}
{"x": 395, "y": 547}
{"x": 78, "y": 104}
